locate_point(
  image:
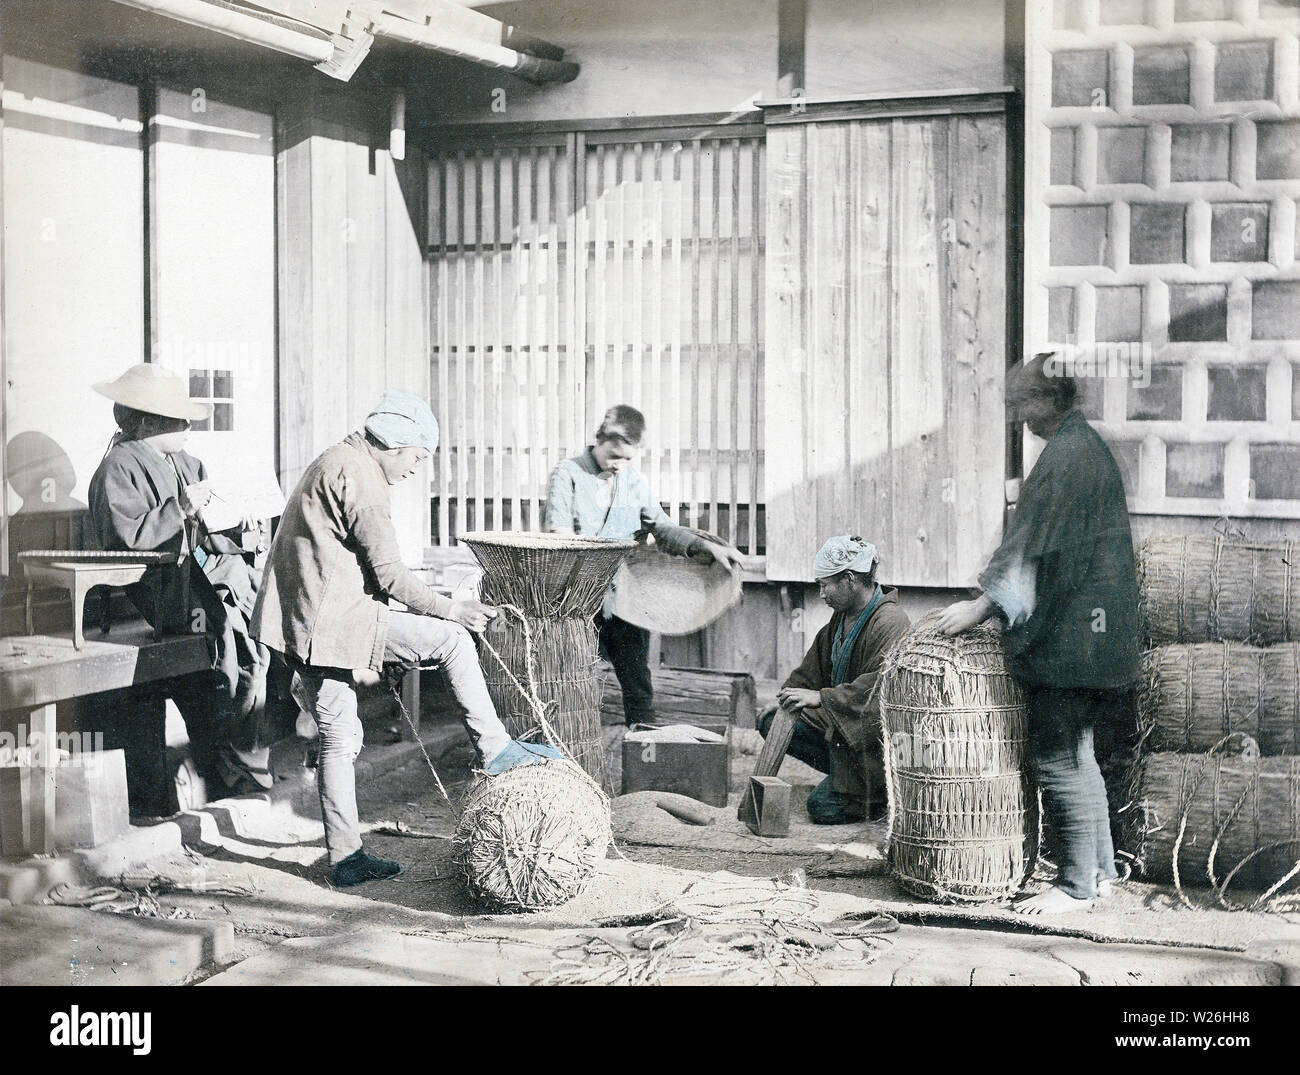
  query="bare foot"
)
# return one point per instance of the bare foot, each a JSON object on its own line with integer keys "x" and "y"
{"x": 1052, "y": 901}
{"x": 1105, "y": 888}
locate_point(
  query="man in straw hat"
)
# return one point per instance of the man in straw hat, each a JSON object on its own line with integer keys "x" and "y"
{"x": 144, "y": 498}
{"x": 600, "y": 494}
{"x": 832, "y": 694}
{"x": 334, "y": 565}
{"x": 1064, "y": 583}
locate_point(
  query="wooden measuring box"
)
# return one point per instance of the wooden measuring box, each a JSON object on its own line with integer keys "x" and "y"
{"x": 699, "y": 770}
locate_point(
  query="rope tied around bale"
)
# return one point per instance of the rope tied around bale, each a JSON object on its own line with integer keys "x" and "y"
{"x": 1249, "y": 751}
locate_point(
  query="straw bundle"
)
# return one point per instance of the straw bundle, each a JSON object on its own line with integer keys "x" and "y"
{"x": 546, "y": 575}
{"x": 532, "y": 837}
{"x": 1193, "y": 696}
{"x": 564, "y": 675}
{"x": 964, "y": 816}
{"x": 1209, "y": 589}
{"x": 1227, "y": 809}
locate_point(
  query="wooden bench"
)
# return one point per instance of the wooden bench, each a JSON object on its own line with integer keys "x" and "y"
{"x": 80, "y": 571}
{"x": 39, "y": 671}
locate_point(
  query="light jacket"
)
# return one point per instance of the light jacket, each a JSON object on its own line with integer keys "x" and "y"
{"x": 335, "y": 564}
{"x": 573, "y": 504}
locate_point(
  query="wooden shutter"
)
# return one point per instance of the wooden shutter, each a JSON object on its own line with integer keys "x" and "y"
{"x": 886, "y": 337}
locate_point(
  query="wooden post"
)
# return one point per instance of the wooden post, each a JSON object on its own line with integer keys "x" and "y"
{"x": 43, "y": 724}
{"x": 411, "y": 700}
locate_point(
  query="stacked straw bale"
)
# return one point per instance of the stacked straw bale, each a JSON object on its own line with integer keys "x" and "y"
{"x": 1230, "y": 813}
{"x": 1220, "y": 688}
{"x": 1192, "y": 696}
{"x": 1210, "y": 589}
{"x": 565, "y": 676}
{"x": 963, "y": 814}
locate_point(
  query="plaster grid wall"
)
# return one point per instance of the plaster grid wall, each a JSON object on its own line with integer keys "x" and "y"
{"x": 1162, "y": 178}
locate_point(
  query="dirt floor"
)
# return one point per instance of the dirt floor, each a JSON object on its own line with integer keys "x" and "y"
{"x": 673, "y": 903}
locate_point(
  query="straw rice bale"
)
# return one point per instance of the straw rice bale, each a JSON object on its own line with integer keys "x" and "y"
{"x": 1210, "y": 589}
{"x": 532, "y": 837}
{"x": 1245, "y": 805}
{"x": 963, "y": 813}
{"x": 1192, "y": 696}
{"x": 565, "y": 675}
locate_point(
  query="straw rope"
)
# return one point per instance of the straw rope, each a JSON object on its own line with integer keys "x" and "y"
{"x": 1272, "y": 824}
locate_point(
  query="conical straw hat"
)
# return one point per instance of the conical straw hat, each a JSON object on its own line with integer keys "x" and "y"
{"x": 151, "y": 388}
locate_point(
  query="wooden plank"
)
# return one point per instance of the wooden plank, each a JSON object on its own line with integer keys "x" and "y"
{"x": 693, "y": 426}
{"x": 579, "y": 237}
{"x": 363, "y": 299}
{"x": 757, "y": 261}
{"x": 461, "y": 342}
{"x": 518, "y": 351}
{"x": 294, "y": 240}
{"x": 443, "y": 334}
{"x": 978, "y": 295}
{"x": 501, "y": 231}
{"x": 616, "y": 389}
{"x": 36, "y": 670}
{"x": 733, "y": 427}
{"x": 870, "y": 317}
{"x": 917, "y": 406}
{"x": 789, "y": 495}
{"x": 708, "y": 698}
{"x": 637, "y": 236}
{"x": 715, "y": 328}
{"x": 334, "y": 230}
{"x": 655, "y": 251}
{"x": 478, "y": 444}
{"x": 676, "y": 485}
{"x": 557, "y": 173}
{"x": 600, "y": 359}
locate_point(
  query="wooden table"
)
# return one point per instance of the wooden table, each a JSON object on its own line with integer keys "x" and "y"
{"x": 38, "y": 671}
{"x": 79, "y": 572}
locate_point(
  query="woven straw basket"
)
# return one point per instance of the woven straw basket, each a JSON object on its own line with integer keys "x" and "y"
{"x": 546, "y": 575}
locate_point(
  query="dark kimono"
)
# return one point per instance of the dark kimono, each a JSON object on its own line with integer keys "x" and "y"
{"x": 849, "y": 714}
{"x": 1064, "y": 575}
{"x": 135, "y": 505}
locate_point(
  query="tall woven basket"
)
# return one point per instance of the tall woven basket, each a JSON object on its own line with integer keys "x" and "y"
{"x": 548, "y": 648}
{"x": 963, "y": 813}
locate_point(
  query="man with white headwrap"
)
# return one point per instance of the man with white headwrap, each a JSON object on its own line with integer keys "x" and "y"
{"x": 832, "y": 694}
{"x": 333, "y": 566}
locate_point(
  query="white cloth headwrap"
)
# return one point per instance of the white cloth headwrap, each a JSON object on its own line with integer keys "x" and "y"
{"x": 844, "y": 553}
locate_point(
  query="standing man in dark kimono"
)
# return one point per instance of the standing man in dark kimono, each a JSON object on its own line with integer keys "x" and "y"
{"x": 142, "y": 499}
{"x": 1065, "y": 584}
{"x": 832, "y": 694}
